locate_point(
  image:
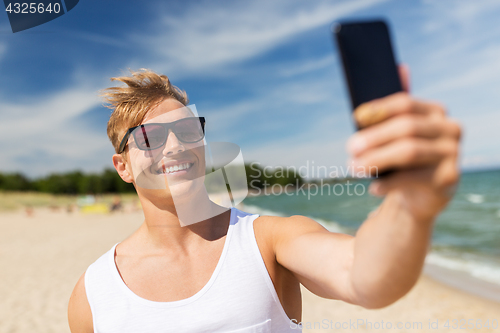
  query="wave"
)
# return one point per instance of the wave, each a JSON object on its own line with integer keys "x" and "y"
{"x": 477, "y": 266}
{"x": 475, "y": 198}
{"x": 329, "y": 225}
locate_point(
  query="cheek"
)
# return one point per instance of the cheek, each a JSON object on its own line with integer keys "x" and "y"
{"x": 142, "y": 158}
{"x": 151, "y": 154}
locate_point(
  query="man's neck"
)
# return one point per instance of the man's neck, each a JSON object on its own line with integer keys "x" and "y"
{"x": 182, "y": 225}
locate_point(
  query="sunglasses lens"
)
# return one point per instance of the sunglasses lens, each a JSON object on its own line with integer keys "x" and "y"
{"x": 150, "y": 136}
{"x": 189, "y": 130}
{"x": 153, "y": 136}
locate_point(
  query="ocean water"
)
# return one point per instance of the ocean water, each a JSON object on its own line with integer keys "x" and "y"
{"x": 466, "y": 235}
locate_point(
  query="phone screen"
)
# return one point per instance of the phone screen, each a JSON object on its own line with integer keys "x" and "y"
{"x": 368, "y": 60}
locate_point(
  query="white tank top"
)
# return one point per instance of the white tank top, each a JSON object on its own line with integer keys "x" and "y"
{"x": 239, "y": 297}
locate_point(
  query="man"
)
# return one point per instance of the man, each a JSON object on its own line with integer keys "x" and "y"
{"x": 237, "y": 272}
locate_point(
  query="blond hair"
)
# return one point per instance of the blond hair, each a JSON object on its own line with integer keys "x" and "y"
{"x": 144, "y": 90}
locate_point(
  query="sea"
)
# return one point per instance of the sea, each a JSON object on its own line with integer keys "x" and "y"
{"x": 466, "y": 236}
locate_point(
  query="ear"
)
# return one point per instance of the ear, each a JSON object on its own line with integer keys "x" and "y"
{"x": 120, "y": 165}
{"x": 404, "y": 75}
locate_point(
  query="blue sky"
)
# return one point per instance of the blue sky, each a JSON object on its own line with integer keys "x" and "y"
{"x": 265, "y": 74}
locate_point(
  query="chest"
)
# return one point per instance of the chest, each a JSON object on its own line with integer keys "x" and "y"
{"x": 168, "y": 279}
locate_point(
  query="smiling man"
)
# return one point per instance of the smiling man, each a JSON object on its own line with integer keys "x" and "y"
{"x": 226, "y": 270}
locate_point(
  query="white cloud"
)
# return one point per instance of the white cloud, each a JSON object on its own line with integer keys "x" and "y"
{"x": 320, "y": 138}
{"x": 481, "y": 142}
{"x": 287, "y": 101}
{"x": 324, "y": 152}
{"x": 207, "y": 35}
{"x": 308, "y": 66}
{"x": 481, "y": 72}
{"x": 3, "y": 50}
{"x": 98, "y": 38}
{"x": 44, "y": 135}
{"x": 457, "y": 13}
{"x": 466, "y": 11}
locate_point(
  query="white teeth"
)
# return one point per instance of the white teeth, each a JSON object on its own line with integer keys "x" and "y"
{"x": 178, "y": 167}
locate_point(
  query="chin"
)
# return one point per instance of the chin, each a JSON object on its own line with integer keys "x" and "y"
{"x": 186, "y": 191}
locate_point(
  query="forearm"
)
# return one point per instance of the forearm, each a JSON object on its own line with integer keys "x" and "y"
{"x": 389, "y": 253}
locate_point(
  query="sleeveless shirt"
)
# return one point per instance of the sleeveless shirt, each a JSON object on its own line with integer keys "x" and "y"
{"x": 239, "y": 297}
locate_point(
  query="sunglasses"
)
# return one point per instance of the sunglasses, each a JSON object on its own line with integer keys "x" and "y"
{"x": 154, "y": 135}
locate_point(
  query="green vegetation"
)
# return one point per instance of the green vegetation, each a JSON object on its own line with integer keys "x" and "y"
{"x": 69, "y": 183}
{"x": 260, "y": 177}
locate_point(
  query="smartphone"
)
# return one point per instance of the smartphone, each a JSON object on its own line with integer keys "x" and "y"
{"x": 368, "y": 60}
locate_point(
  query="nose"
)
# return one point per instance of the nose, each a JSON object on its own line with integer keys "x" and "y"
{"x": 173, "y": 145}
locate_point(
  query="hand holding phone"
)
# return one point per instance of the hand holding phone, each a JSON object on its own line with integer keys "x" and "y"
{"x": 427, "y": 165}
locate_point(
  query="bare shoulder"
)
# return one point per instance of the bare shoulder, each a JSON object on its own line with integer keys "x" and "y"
{"x": 319, "y": 259}
{"x": 275, "y": 229}
{"x": 79, "y": 313}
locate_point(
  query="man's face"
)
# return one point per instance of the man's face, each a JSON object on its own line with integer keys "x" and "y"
{"x": 174, "y": 170}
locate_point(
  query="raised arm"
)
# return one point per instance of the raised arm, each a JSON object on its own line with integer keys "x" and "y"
{"x": 383, "y": 261}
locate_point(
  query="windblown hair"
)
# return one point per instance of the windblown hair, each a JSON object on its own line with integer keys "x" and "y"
{"x": 144, "y": 90}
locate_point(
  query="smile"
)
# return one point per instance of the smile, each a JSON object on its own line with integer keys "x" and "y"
{"x": 175, "y": 168}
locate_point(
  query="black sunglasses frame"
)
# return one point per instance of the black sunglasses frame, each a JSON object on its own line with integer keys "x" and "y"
{"x": 167, "y": 126}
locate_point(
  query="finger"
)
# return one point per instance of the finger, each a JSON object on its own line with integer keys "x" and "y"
{"x": 443, "y": 179}
{"x": 407, "y": 125}
{"x": 447, "y": 174}
{"x": 375, "y": 111}
{"x": 404, "y": 75}
{"x": 403, "y": 178}
{"x": 404, "y": 154}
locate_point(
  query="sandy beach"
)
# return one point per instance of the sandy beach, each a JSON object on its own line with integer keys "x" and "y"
{"x": 42, "y": 257}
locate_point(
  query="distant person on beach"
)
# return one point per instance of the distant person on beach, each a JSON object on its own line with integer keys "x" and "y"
{"x": 116, "y": 205}
{"x": 238, "y": 272}
{"x": 29, "y": 211}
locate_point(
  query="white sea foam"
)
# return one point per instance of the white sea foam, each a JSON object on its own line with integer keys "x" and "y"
{"x": 329, "y": 225}
{"x": 479, "y": 268}
{"x": 475, "y": 198}
{"x": 261, "y": 211}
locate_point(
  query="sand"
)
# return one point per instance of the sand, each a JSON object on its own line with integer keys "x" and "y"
{"x": 429, "y": 307}
{"x": 42, "y": 257}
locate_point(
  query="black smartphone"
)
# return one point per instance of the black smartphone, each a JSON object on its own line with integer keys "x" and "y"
{"x": 368, "y": 60}
{"x": 369, "y": 64}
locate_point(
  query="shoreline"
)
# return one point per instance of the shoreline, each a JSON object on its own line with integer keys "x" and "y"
{"x": 463, "y": 281}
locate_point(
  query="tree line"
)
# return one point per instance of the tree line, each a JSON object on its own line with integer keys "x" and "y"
{"x": 75, "y": 182}
{"x": 109, "y": 181}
